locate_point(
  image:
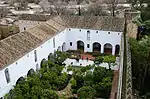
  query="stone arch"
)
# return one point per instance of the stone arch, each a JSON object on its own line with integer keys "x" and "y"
{"x": 80, "y": 45}
{"x": 42, "y": 62}
{"x": 108, "y": 48}
{"x": 59, "y": 48}
{"x": 96, "y": 47}
{"x": 64, "y": 47}
{"x": 30, "y": 72}
{"x": 20, "y": 80}
{"x": 117, "y": 49}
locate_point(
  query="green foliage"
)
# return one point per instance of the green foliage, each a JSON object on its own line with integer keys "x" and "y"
{"x": 49, "y": 94}
{"x": 99, "y": 73}
{"x": 58, "y": 57}
{"x": 73, "y": 82}
{"x": 100, "y": 80}
{"x": 42, "y": 84}
{"x": 140, "y": 56}
{"x": 98, "y": 60}
{"x": 86, "y": 92}
{"x": 109, "y": 59}
{"x": 49, "y": 79}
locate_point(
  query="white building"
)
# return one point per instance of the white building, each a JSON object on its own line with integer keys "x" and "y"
{"x": 24, "y": 51}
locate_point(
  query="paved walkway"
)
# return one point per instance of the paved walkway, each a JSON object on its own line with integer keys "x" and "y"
{"x": 114, "y": 85}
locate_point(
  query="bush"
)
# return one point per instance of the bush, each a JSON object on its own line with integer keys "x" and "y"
{"x": 86, "y": 92}
{"x": 98, "y": 60}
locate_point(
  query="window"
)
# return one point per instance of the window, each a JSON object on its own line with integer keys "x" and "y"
{"x": 88, "y": 35}
{"x": 35, "y": 55}
{"x": 37, "y": 67}
{"x": 54, "y": 42}
{"x": 7, "y": 75}
{"x": 88, "y": 45}
{"x": 70, "y": 43}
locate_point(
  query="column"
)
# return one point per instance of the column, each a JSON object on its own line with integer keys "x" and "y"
{"x": 102, "y": 48}
{"x": 113, "y": 50}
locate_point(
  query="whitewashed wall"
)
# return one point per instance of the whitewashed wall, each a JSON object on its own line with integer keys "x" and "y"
{"x": 102, "y": 37}
{"x": 27, "y": 62}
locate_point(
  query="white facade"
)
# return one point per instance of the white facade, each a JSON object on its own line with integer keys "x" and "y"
{"x": 28, "y": 61}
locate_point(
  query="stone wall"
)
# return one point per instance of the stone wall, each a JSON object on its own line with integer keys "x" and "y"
{"x": 128, "y": 72}
{"x": 131, "y": 29}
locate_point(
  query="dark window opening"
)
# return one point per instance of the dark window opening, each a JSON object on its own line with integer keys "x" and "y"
{"x": 35, "y": 55}
{"x": 7, "y": 75}
{"x": 88, "y": 45}
{"x": 54, "y": 42}
{"x": 88, "y": 35}
{"x": 70, "y": 43}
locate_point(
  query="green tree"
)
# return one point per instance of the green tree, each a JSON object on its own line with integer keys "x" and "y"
{"x": 98, "y": 60}
{"x": 49, "y": 94}
{"x": 88, "y": 78}
{"x": 140, "y": 56}
{"x": 86, "y": 92}
{"x": 99, "y": 73}
{"x": 109, "y": 59}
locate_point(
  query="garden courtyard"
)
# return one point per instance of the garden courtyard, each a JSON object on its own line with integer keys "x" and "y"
{"x": 67, "y": 75}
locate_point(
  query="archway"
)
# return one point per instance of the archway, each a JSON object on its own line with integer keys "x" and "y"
{"x": 117, "y": 49}
{"x": 108, "y": 48}
{"x": 64, "y": 47}
{"x": 43, "y": 62}
{"x": 20, "y": 80}
{"x": 96, "y": 47}
{"x": 30, "y": 72}
{"x": 80, "y": 45}
{"x": 59, "y": 48}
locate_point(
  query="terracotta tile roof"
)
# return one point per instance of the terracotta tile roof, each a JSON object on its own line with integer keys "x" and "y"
{"x": 95, "y": 22}
{"x": 16, "y": 46}
{"x": 35, "y": 17}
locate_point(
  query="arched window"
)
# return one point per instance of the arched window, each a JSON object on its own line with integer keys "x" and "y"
{"x": 108, "y": 48}
{"x": 80, "y": 45}
{"x": 43, "y": 62}
{"x": 20, "y": 80}
{"x": 117, "y": 49}
{"x": 96, "y": 47}
{"x": 59, "y": 48}
{"x": 88, "y": 35}
{"x": 7, "y": 75}
{"x": 54, "y": 42}
{"x": 64, "y": 47}
{"x": 35, "y": 55}
{"x": 30, "y": 72}
{"x": 37, "y": 67}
